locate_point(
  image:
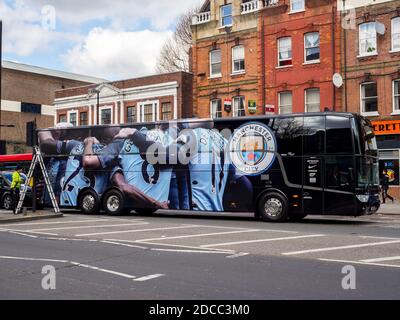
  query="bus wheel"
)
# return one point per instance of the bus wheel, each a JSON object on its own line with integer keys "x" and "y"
{"x": 273, "y": 207}
{"x": 114, "y": 203}
{"x": 145, "y": 212}
{"x": 7, "y": 202}
{"x": 89, "y": 203}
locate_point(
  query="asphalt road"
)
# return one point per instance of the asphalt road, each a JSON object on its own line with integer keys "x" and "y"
{"x": 183, "y": 256}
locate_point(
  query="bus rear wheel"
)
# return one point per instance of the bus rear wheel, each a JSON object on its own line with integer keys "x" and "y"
{"x": 89, "y": 202}
{"x": 273, "y": 207}
{"x": 114, "y": 203}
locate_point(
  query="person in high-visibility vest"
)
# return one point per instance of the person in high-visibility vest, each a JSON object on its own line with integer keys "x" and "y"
{"x": 16, "y": 186}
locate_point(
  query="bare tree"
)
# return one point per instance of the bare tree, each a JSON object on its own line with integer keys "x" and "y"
{"x": 174, "y": 54}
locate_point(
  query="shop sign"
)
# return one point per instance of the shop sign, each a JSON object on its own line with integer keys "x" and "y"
{"x": 252, "y": 107}
{"x": 386, "y": 127}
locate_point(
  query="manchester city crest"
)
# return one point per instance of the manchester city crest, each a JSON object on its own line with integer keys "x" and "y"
{"x": 252, "y": 148}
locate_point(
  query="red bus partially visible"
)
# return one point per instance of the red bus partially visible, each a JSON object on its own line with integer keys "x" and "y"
{"x": 10, "y": 162}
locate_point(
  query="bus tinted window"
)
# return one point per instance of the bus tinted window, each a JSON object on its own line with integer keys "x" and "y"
{"x": 340, "y": 173}
{"x": 314, "y": 135}
{"x": 338, "y": 135}
{"x": 289, "y": 134}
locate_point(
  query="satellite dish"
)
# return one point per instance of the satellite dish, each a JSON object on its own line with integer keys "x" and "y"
{"x": 380, "y": 28}
{"x": 337, "y": 80}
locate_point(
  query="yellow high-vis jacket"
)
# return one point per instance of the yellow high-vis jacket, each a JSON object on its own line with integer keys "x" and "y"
{"x": 16, "y": 180}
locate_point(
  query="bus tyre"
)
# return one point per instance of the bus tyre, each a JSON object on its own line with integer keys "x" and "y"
{"x": 114, "y": 203}
{"x": 145, "y": 212}
{"x": 273, "y": 207}
{"x": 7, "y": 202}
{"x": 89, "y": 202}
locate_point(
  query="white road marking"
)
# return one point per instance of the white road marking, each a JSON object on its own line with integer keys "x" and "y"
{"x": 136, "y": 230}
{"x": 362, "y": 263}
{"x": 189, "y": 251}
{"x": 52, "y": 223}
{"x": 238, "y": 255}
{"x": 237, "y": 228}
{"x": 24, "y": 235}
{"x": 87, "y": 266}
{"x": 197, "y": 235}
{"x": 89, "y": 227}
{"x": 123, "y": 244}
{"x": 150, "y": 277}
{"x": 383, "y": 238}
{"x": 366, "y": 245}
{"x": 381, "y": 259}
{"x": 170, "y": 245}
{"x": 261, "y": 240}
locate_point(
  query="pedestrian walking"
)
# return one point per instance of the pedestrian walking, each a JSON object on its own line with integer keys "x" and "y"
{"x": 385, "y": 187}
{"x": 16, "y": 187}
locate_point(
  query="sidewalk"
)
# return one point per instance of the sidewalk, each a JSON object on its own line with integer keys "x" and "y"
{"x": 390, "y": 208}
{"x": 9, "y": 217}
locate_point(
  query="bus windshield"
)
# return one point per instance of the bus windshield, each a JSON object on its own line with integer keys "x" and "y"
{"x": 368, "y": 172}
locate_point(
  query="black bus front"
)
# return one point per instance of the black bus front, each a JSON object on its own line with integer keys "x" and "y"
{"x": 367, "y": 188}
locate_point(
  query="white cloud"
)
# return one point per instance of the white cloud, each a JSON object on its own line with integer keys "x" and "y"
{"x": 116, "y": 54}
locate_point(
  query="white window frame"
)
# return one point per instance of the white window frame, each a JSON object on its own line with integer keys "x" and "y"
{"x": 236, "y": 110}
{"x": 305, "y": 48}
{"x": 396, "y": 111}
{"x": 394, "y": 34}
{"x": 101, "y": 109}
{"x": 69, "y": 113}
{"x": 362, "y": 112}
{"x": 280, "y": 103}
{"x": 136, "y": 113}
{"x": 305, "y": 99}
{"x": 279, "y": 59}
{"x": 217, "y": 75}
{"x": 298, "y": 10}
{"x": 244, "y": 60}
{"x": 360, "y": 52}
{"x": 222, "y": 16}
{"x": 212, "y": 110}
{"x": 156, "y": 106}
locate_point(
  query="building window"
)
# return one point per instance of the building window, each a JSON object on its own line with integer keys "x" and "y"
{"x": 62, "y": 118}
{"x": 313, "y": 102}
{"x": 83, "y": 121}
{"x": 238, "y": 61}
{"x": 285, "y": 52}
{"x": 73, "y": 119}
{"x": 396, "y": 95}
{"x": 148, "y": 113}
{"x": 216, "y": 108}
{"x": 226, "y": 15}
{"x": 311, "y": 47}
{"x": 369, "y": 97}
{"x": 367, "y": 39}
{"x": 131, "y": 114}
{"x": 215, "y": 63}
{"x": 106, "y": 116}
{"x": 238, "y": 107}
{"x": 31, "y": 108}
{"x": 166, "y": 111}
{"x": 285, "y": 102}
{"x": 396, "y": 34}
{"x": 297, "y": 5}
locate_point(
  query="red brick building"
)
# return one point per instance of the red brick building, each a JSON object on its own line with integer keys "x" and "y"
{"x": 224, "y": 58}
{"x": 372, "y": 74}
{"x": 27, "y": 95}
{"x": 146, "y": 99}
{"x": 300, "y": 53}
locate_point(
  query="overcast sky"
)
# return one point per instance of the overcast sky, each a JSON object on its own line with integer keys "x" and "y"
{"x": 112, "y": 39}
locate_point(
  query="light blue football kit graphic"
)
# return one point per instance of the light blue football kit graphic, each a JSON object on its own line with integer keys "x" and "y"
{"x": 76, "y": 178}
{"x": 153, "y": 180}
{"x": 209, "y": 170}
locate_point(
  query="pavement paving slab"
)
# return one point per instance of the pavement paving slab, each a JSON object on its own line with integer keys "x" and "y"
{"x": 8, "y": 217}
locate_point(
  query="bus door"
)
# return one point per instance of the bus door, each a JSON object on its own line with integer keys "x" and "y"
{"x": 313, "y": 190}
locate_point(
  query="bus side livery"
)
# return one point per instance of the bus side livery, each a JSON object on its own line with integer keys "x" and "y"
{"x": 277, "y": 166}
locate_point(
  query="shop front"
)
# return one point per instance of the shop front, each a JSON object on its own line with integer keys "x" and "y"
{"x": 388, "y": 138}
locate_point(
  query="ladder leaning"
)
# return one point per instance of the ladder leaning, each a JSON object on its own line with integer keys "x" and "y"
{"x": 38, "y": 158}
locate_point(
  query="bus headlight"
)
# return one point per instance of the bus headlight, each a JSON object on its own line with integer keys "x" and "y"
{"x": 363, "y": 198}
